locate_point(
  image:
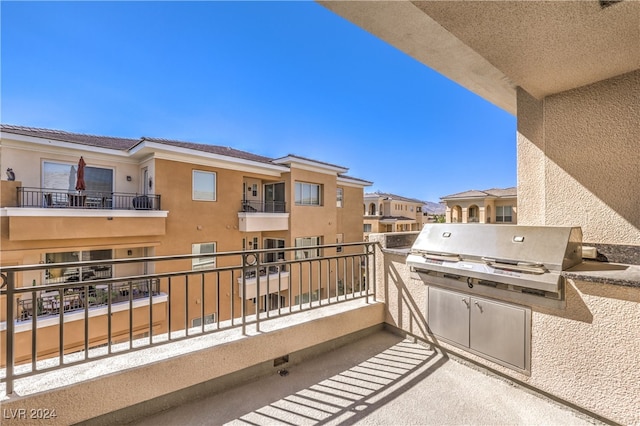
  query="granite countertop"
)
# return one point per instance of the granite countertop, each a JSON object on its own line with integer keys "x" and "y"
{"x": 606, "y": 273}
{"x": 588, "y": 270}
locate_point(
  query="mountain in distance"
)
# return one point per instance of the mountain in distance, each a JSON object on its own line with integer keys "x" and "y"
{"x": 433, "y": 208}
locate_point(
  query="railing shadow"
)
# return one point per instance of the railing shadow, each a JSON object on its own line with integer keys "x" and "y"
{"x": 344, "y": 387}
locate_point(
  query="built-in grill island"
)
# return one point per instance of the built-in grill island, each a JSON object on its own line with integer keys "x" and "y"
{"x": 483, "y": 279}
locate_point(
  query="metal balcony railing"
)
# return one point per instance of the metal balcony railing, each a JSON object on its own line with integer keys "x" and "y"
{"x": 76, "y": 298}
{"x": 65, "y": 199}
{"x": 49, "y": 312}
{"x": 250, "y": 206}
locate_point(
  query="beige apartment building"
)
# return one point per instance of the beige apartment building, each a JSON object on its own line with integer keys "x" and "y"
{"x": 495, "y": 205}
{"x": 385, "y": 212}
{"x": 155, "y": 197}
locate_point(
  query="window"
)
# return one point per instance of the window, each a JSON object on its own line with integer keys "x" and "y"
{"x": 308, "y": 242}
{"x": 315, "y": 295}
{"x": 504, "y": 214}
{"x": 339, "y": 239}
{"x": 66, "y": 275}
{"x": 203, "y": 262}
{"x": 208, "y": 319}
{"x": 367, "y": 227}
{"x": 274, "y": 256}
{"x": 308, "y": 194}
{"x": 339, "y": 196}
{"x": 204, "y": 186}
{"x": 273, "y": 300}
{"x": 473, "y": 214}
{"x": 63, "y": 177}
{"x": 274, "y": 194}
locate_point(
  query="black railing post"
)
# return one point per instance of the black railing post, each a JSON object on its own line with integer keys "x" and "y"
{"x": 258, "y": 297}
{"x": 9, "y": 281}
{"x": 374, "y": 280}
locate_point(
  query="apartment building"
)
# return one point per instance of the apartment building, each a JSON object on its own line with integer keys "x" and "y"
{"x": 384, "y": 212}
{"x": 156, "y": 197}
{"x": 495, "y": 205}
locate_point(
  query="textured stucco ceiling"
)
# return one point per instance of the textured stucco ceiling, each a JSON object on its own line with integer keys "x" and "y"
{"x": 490, "y": 47}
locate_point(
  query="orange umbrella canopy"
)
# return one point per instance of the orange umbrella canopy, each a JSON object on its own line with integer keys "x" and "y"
{"x": 80, "y": 185}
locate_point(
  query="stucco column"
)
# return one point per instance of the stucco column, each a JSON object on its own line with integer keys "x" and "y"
{"x": 579, "y": 161}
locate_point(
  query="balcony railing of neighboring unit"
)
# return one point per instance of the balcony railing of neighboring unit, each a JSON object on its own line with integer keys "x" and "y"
{"x": 75, "y": 299}
{"x": 249, "y": 206}
{"x": 333, "y": 274}
{"x": 65, "y": 199}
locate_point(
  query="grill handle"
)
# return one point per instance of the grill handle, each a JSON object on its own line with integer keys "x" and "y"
{"x": 442, "y": 256}
{"x": 514, "y": 265}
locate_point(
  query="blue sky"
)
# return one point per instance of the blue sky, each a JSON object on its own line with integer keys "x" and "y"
{"x": 272, "y": 78}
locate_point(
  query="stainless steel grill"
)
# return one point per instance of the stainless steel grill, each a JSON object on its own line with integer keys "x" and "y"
{"x": 526, "y": 259}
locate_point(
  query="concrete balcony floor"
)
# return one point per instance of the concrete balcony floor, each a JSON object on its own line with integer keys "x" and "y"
{"x": 381, "y": 379}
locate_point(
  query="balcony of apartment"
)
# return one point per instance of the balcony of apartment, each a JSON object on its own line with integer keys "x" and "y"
{"x": 55, "y": 214}
{"x": 370, "y": 320}
{"x": 262, "y": 216}
{"x": 264, "y": 280}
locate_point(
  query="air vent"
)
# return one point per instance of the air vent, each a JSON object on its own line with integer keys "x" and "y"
{"x": 607, "y": 3}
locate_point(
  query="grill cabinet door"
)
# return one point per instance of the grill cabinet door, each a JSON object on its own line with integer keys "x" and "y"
{"x": 448, "y": 315}
{"x": 498, "y": 330}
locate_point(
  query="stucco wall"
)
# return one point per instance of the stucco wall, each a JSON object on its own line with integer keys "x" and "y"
{"x": 350, "y": 215}
{"x": 229, "y": 352}
{"x": 585, "y": 354}
{"x": 579, "y": 162}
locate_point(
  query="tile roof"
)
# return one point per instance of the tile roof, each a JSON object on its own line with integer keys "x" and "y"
{"x": 393, "y": 197}
{"x": 310, "y": 159}
{"x": 355, "y": 179}
{"x": 212, "y": 149}
{"x": 493, "y": 192}
{"x": 126, "y": 144}
{"x": 122, "y": 144}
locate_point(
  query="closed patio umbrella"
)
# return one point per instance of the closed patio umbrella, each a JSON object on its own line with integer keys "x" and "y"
{"x": 80, "y": 185}
{"x": 79, "y": 200}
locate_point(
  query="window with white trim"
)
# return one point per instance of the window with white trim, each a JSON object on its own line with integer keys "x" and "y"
{"x": 339, "y": 240}
{"x": 367, "y": 227}
{"x": 339, "y": 197}
{"x": 209, "y": 262}
{"x": 504, "y": 214}
{"x": 308, "y": 242}
{"x": 308, "y": 194}
{"x": 204, "y": 186}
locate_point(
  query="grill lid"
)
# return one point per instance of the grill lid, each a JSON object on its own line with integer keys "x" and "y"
{"x": 526, "y": 256}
